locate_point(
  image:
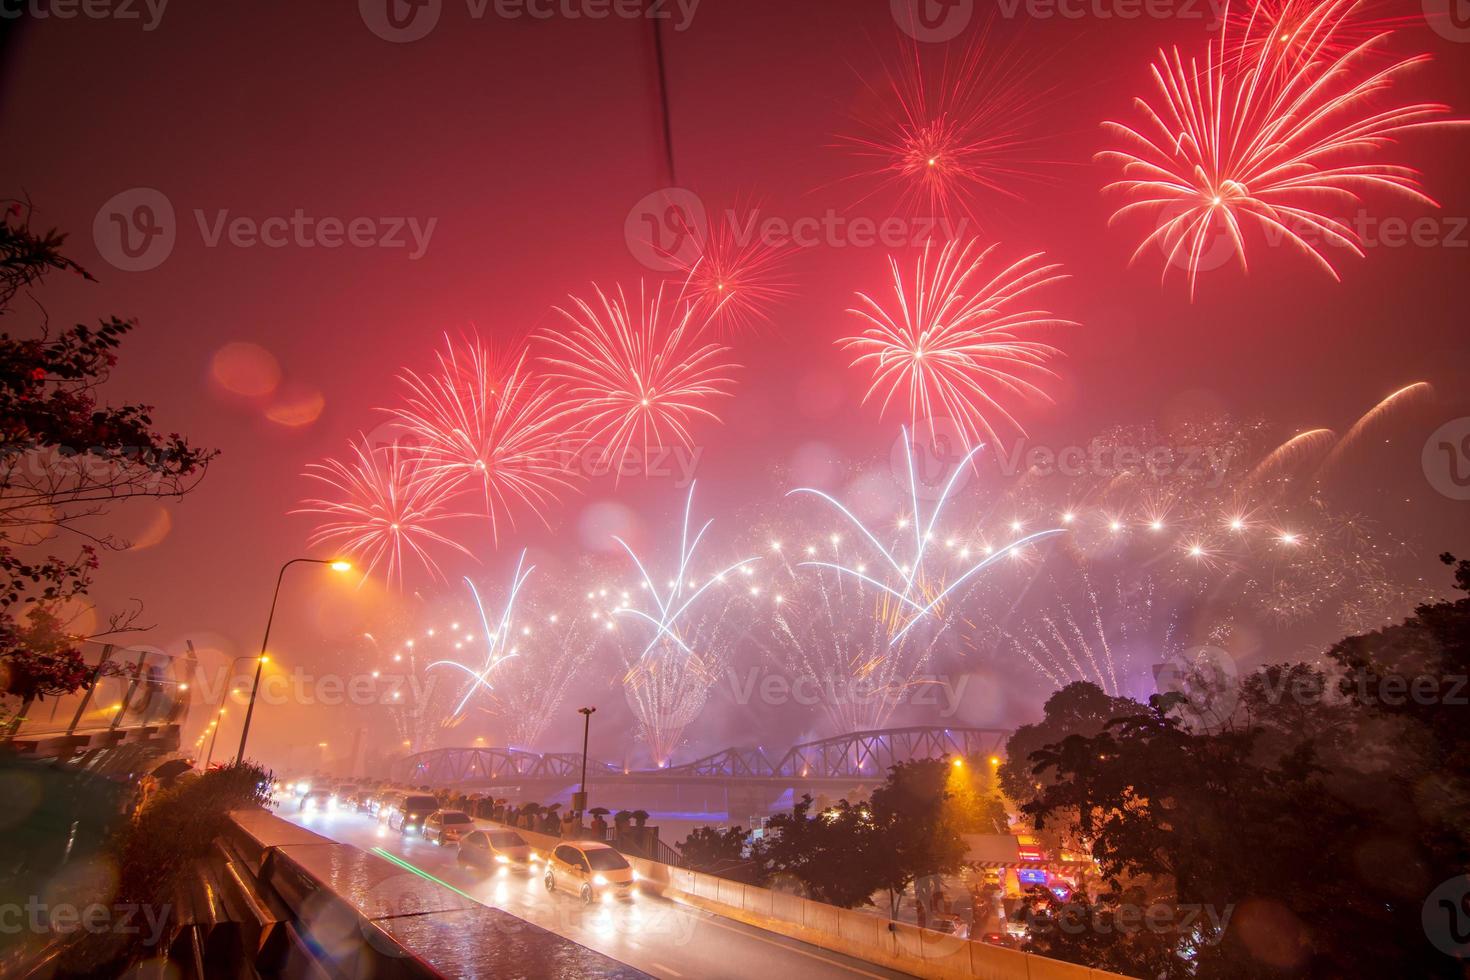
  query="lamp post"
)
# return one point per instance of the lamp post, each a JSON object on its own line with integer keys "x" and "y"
{"x": 215, "y": 737}
{"x": 338, "y": 565}
{"x": 579, "y": 802}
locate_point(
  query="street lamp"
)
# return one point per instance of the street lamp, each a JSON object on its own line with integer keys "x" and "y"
{"x": 337, "y": 565}
{"x": 215, "y": 737}
{"x": 579, "y": 801}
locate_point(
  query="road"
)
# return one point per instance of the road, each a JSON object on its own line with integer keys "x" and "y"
{"x": 660, "y": 937}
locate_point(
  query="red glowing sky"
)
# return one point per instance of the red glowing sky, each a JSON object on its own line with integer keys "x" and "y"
{"x": 527, "y": 142}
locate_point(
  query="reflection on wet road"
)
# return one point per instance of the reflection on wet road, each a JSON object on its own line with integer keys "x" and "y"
{"x": 661, "y": 937}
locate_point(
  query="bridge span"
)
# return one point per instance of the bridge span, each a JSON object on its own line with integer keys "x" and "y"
{"x": 740, "y": 782}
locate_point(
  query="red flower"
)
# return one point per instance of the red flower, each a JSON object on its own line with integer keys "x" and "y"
{"x": 38, "y": 374}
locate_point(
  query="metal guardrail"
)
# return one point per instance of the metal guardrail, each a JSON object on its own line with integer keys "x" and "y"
{"x": 276, "y": 899}
{"x": 132, "y": 711}
{"x": 130, "y": 687}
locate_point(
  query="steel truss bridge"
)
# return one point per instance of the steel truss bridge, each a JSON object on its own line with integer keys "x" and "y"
{"x": 856, "y": 757}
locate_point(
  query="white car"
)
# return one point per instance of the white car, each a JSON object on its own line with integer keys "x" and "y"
{"x": 590, "y": 869}
{"x": 447, "y": 826}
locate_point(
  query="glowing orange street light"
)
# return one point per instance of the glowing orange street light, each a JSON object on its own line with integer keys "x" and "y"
{"x": 337, "y": 565}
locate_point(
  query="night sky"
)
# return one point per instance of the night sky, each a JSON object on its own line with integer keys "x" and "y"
{"x": 527, "y": 142}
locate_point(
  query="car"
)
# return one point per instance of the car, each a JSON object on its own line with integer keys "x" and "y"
{"x": 367, "y": 801}
{"x": 489, "y": 849}
{"x": 447, "y": 826}
{"x": 591, "y": 869}
{"x": 409, "y": 814}
{"x": 950, "y": 924}
{"x": 388, "y": 804}
{"x": 316, "y": 799}
{"x": 1001, "y": 939}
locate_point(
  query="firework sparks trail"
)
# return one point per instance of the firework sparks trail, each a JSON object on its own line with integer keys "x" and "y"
{"x": 500, "y": 640}
{"x": 531, "y": 686}
{"x": 1289, "y": 26}
{"x": 949, "y": 134}
{"x": 1266, "y": 136}
{"x": 486, "y": 420}
{"x": 834, "y": 633}
{"x": 951, "y": 350}
{"x": 395, "y": 647}
{"x": 1082, "y": 631}
{"x": 918, "y": 590}
{"x": 384, "y": 508}
{"x": 640, "y": 374}
{"x": 668, "y": 680}
{"x": 1253, "y": 531}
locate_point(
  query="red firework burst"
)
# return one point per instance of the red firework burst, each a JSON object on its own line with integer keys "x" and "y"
{"x": 484, "y": 421}
{"x": 735, "y": 275}
{"x": 383, "y": 508}
{"x": 946, "y": 134}
{"x": 1266, "y": 135}
{"x": 638, "y": 374}
{"x": 953, "y": 349}
{"x": 1289, "y": 25}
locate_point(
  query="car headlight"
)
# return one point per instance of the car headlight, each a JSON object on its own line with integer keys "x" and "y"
{"x": 311, "y": 804}
{"x": 501, "y": 859}
{"x": 635, "y": 875}
{"x": 599, "y": 879}
{"x": 533, "y": 858}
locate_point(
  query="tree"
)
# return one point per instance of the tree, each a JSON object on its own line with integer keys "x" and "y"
{"x": 719, "y": 852}
{"x": 1412, "y": 676}
{"x": 1309, "y": 828}
{"x": 846, "y": 853}
{"x": 1193, "y": 822}
{"x": 66, "y": 457}
{"x": 1080, "y": 708}
{"x": 832, "y": 856}
{"x": 918, "y": 829}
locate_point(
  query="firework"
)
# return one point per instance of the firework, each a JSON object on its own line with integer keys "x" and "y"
{"x": 1227, "y": 523}
{"x": 919, "y": 586}
{"x": 668, "y": 678}
{"x": 1289, "y": 26}
{"x": 639, "y": 374}
{"x": 500, "y": 641}
{"x": 401, "y": 639}
{"x": 835, "y": 634}
{"x": 734, "y": 276}
{"x": 948, "y": 134}
{"x": 952, "y": 348}
{"x": 553, "y": 645}
{"x": 385, "y": 508}
{"x": 484, "y": 421}
{"x": 1263, "y": 137}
